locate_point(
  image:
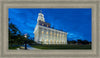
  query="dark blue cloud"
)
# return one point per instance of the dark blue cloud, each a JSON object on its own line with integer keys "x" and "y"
{"x": 75, "y": 21}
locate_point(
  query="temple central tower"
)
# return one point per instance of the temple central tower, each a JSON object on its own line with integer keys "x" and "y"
{"x": 41, "y": 17}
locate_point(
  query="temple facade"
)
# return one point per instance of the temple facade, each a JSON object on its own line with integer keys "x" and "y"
{"x": 44, "y": 34}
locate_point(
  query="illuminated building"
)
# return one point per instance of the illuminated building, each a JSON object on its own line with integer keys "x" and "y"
{"x": 44, "y": 34}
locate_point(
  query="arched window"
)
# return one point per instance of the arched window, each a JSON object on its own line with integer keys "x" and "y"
{"x": 51, "y": 33}
{"x": 54, "y": 34}
{"x": 47, "y": 41}
{"x": 57, "y": 42}
{"x": 54, "y": 41}
{"x": 42, "y": 32}
{"x": 60, "y": 42}
{"x": 51, "y": 41}
{"x": 42, "y": 41}
{"x": 47, "y": 32}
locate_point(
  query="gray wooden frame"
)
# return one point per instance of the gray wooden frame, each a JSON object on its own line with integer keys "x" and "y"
{"x": 5, "y": 53}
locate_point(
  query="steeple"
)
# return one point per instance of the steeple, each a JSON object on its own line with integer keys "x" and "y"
{"x": 40, "y": 11}
{"x": 40, "y": 16}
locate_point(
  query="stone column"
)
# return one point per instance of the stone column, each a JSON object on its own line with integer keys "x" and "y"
{"x": 42, "y": 35}
{"x": 47, "y": 36}
{"x": 57, "y": 37}
{"x": 66, "y": 38}
{"x": 60, "y": 38}
{"x": 51, "y": 36}
{"x": 63, "y": 38}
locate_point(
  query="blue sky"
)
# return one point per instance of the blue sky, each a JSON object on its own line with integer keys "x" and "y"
{"x": 75, "y": 21}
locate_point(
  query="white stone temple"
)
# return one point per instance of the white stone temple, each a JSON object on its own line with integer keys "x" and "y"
{"x": 44, "y": 34}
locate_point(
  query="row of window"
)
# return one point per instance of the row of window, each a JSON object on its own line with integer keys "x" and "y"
{"x": 54, "y": 33}
{"x": 46, "y": 25}
{"x": 55, "y": 43}
{"x": 52, "y": 40}
{"x": 55, "y": 37}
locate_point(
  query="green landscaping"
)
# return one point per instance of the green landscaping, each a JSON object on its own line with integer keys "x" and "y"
{"x": 13, "y": 48}
{"x": 62, "y": 46}
{"x": 48, "y": 47}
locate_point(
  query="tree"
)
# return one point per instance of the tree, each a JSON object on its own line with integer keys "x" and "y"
{"x": 85, "y": 42}
{"x": 72, "y": 42}
{"x": 79, "y": 41}
{"x": 15, "y": 36}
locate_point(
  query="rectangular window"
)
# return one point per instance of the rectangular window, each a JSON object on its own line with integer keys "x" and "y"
{"x": 47, "y": 32}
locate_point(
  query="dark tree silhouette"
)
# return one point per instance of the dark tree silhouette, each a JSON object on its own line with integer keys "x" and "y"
{"x": 85, "y": 42}
{"x": 15, "y": 36}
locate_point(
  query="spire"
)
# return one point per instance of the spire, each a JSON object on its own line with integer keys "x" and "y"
{"x": 41, "y": 16}
{"x": 40, "y": 11}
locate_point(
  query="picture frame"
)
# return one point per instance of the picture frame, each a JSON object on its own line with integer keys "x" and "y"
{"x": 4, "y": 52}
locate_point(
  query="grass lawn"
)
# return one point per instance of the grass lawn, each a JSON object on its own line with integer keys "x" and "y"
{"x": 62, "y": 46}
{"x": 13, "y": 48}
